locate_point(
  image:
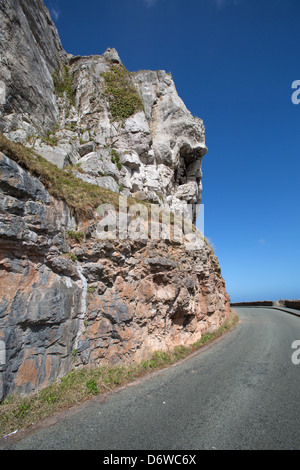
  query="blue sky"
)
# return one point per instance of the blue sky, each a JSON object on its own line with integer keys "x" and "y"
{"x": 233, "y": 63}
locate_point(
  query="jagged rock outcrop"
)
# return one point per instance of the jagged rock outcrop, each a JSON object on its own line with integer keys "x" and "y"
{"x": 67, "y": 296}
{"x": 154, "y": 153}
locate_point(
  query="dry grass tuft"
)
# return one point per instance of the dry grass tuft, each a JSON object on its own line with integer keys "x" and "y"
{"x": 81, "y": 197}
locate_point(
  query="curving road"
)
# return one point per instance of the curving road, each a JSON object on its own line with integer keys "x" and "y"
{"x": 241, "y": 392}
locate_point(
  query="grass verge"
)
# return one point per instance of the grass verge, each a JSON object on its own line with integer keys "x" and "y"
{"x": 17, "y": 412}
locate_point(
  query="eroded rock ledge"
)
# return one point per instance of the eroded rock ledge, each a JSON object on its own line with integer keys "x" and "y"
{"x": 126, "y": 131}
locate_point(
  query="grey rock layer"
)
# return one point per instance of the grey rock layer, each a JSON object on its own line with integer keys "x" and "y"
{"x": 30, "y": 51}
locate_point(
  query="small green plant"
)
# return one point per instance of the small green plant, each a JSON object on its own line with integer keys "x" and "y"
{"x": 114, "y": 156}
{"x": 91, "y": 290}
{"x": 180, "y": 352}
{"x": 116, "y": 159}
{"x": 207, "y": 337}
{"x": 72, "y": 256}
{"x": 78, "y": 236}
{"x": 22, "y": 409}
{"x": 149, "y": 364}
{"x": 51, "y": 140}
{"x": 51, "y": 398}
{"x": 92, "y": 387}
{"x": 161, "y": 357}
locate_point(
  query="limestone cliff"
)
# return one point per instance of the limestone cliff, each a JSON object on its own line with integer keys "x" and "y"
{"x": 69, "y": 297}
{"x": 128, "y": 132}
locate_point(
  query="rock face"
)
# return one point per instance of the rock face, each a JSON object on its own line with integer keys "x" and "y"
{"x": 155, "y": 153}
{"x": 68, "y": 298}
{"x": 30, "y": 51}
{"x": 68, "y": 302}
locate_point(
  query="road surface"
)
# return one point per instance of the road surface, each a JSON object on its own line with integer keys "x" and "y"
{"x": 241, "y": 392}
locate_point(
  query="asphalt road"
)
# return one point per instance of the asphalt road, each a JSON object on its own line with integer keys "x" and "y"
{"x": 241, "y": 392}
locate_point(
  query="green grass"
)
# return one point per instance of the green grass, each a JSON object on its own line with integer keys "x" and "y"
{"x": 63, "y": 84}
{"x": 92, "y": 386}
{"x": 72, "y": 256}
{"x": 123, "y": 98}
{"x": 116, "y": 159}
{"x": 62, "y": 184}
{"x": 51, "y": 140}
{"x": 17, "y": 412}
{"x": 77, "y": 236}
{"x": 81, "y": 197}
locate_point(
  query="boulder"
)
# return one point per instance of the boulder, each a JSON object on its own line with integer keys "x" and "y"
{"x": 57, "y": 155}
{"x": 130, "y": 159}
{"x": 86, "y": 148}
{"x": 92, "y": 164}
{"x": 109, "y": 183}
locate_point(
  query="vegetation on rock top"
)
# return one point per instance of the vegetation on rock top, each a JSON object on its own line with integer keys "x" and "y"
{"x": 81, "y": 197}
{"x": 63, "y": 84}
{"x": 124, "y": 100}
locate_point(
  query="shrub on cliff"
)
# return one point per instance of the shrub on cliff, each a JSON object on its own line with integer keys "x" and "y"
{"x": 63, "y": 84}
{"x": 123, "y": 98}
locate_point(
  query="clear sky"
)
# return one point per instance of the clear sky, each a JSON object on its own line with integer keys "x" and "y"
{"x": 233, "y": 63}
